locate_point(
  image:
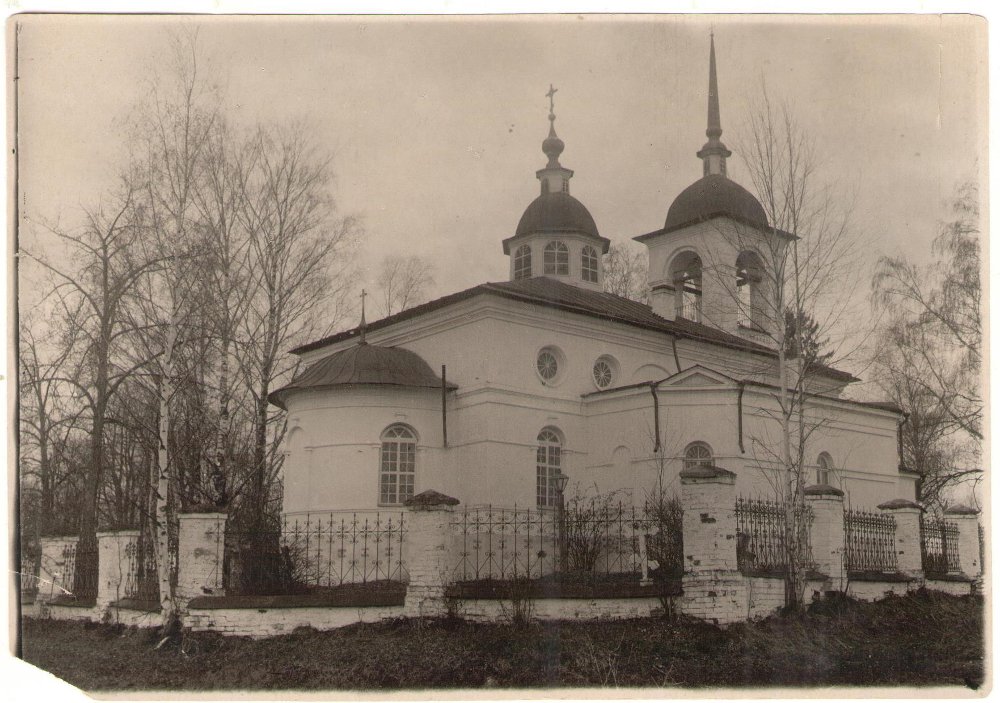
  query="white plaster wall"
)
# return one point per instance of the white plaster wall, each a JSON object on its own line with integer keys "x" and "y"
{"x": 333, "y": 456}
{"x": 490, "y": 346}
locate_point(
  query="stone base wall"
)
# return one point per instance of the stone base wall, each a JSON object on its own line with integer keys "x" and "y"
{"x": 876, "y": 590}
{"x": 72, "y": 612}
{"x": 766, "y": 596}
{"x": 551, "y": 609}
{"x": 259, "y": 623}
{"x": 955, "y": 588}
{"x": 108, "y": 614}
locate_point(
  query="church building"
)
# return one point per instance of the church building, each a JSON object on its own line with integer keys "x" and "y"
{"x": 509, "y": 392}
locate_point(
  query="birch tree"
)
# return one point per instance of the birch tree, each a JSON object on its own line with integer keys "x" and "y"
{"x": 170, "y": 140}
{"x": 930, "y": 358}
{"x": 300, "y": 273}
{"x": 793, "y": 287}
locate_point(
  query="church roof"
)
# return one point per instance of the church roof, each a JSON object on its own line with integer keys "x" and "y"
{"x": 554, "y": 294}
{"x": 556, "y": 213}
{"x": 363, "y": 365}
{"x": 712, "y": 196}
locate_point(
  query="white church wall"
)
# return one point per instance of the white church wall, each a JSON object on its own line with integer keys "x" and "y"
{"x": 333, "y": 458}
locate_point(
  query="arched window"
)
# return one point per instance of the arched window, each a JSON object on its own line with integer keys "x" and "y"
{"x": 397, "y": 465}
{"x": 590, "y": 263}
{"x": 548, "y": 465}
{"x": 697, "y": 454}
{"x": 824, "y": 469}
{"x": 522, "y": 262}
{"x": 556, "y": 259}
{"x": 749, "y": 290}
{"x": 686, "y": 278}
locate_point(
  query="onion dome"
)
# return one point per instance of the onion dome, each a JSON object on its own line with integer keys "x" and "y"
{"x": 712, "y": 196}
{"x": 556, "y": 212}
{"x": 363, "y": 365}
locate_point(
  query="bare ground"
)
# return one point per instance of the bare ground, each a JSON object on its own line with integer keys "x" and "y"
{"x": 922, "y": 639}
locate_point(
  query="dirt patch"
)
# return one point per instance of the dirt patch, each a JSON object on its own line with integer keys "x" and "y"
{"x": 921, "y": 639}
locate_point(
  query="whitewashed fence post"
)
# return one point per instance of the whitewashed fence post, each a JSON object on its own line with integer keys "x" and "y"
{"x": 113, "y": 565}
{"x": 908, "y": 557}
{"x": 827, "y": 536}
{"x": 201, "y": 540}
{"x": 967, "y": 520}
{"x": 55, "y": 573}
{"x": 714, "y": 588}
{"x": 428, "y": 560}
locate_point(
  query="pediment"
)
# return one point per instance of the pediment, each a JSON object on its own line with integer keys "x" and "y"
{"x": 698, "y": 376}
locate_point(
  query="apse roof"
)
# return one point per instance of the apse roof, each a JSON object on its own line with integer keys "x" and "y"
{"x": 363, "y": 365}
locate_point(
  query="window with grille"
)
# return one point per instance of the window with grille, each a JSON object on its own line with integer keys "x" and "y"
{"x": 697, "y": 454}
{"x": 397, "y": 467}
{"x": 604, "y": 372}
{"x": 547, "y": 364}
{"x": 522, "y": 263}
{"x": 548, "y": 465}
{"x": 590, "y": 263}
{"x": 556, "y": 259}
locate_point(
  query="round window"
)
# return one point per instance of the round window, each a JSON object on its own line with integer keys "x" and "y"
{"x": 547, "y": 365}
{"x": 603, "y": 373}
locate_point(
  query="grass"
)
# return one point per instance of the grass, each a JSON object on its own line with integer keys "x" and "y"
{"x": 921, "y": 639}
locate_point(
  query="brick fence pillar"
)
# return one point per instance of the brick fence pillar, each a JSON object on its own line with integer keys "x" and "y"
{"x": 827, "y": 533}
{"x": 907, "y": 515}
{"x": 967, "y": 520}
{"x": 55, "y": 573}
{"x": 427, "y": 558}
{"x": 113, "y": 565}
{"x": 201, "y": 541}
{"x": 714, "y": 588}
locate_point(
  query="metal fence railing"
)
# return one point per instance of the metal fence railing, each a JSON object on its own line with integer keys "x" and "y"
{"x": 870, "y": 540}
{"x": 142, "y": 579}
{"x": 761, "y": 529}
{"x": 28, "y": 575}
{"x": 79, "y": 572}
{"x": 316, "y": 550}
{"x": 584, "y": 541}
{"x": 939, "y": 546}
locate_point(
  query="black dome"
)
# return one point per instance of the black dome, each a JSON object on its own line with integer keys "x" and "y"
{"x": 363, "y": 364}
{"x": 556, "y": 212}
{"x": 711, "y": 196}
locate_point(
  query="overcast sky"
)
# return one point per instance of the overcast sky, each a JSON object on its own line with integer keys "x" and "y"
{"x": 437, "y": 124}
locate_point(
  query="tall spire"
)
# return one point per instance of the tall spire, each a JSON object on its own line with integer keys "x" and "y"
{"x": 554, "y": 177}
{"x": 714, "y": 152}
{"x": 714, "y": 122}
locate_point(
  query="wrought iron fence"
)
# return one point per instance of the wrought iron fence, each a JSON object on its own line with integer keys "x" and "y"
{"x": 316, "y": 550}
{"x": 939, "y": 546}
{"x": 870, "y": 539}
{"x": 142, "y": 580}
{"x": 585, "y": 540}
{"x": 761, "y": 535}
{"x": 28, "y": 576}
{"x": 79, "y": 572}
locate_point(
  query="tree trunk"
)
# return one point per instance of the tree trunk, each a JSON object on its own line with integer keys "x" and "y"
{"x": 168, "y": 607}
